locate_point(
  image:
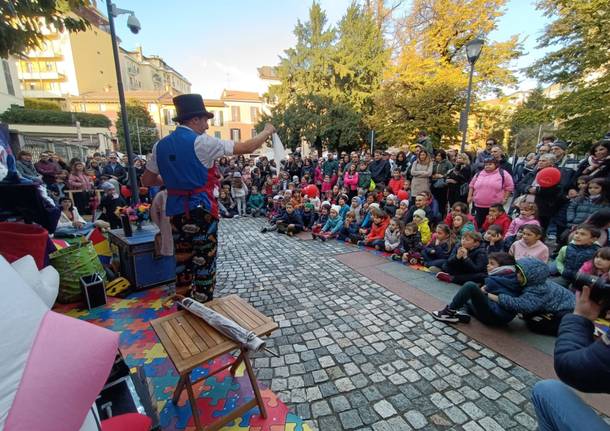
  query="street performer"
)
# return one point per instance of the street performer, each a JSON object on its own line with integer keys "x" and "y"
{"x": 184, "y": 162}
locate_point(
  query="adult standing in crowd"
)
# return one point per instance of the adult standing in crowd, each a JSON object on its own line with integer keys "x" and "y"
{"x": 498, "y": 154}
{"x": 380, "y": 169}
{"x": 182, "y": 161}
{"x": 439, "y": 179}
{"x": 421, "y": 171}
{"x": 486, "y": 153}
{"x": 424, "y": 141}
{"x": 114, "y": 169}
{"x": 26, "y": 168}
{"x": 597, "y": 165}
{"x": 458, "y": 179}
{"x": 47, "y": 168}
{"x": 330, "y": 167}
{"x": 492, "y": 185}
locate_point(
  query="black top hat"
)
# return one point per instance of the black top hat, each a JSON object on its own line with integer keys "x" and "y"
{"x": 189, "y": 106}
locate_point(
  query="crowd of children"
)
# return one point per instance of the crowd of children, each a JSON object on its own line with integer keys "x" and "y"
{"x": 497, "y": 262}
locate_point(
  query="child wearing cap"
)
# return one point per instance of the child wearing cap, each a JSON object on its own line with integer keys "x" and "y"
{"x": 332, "y": 226}
{"x": 392, "y": 235}
{"x": 390, "y": 205}
{"x": 419, "y": 218}
{"x": 110, "y": 201}
{"x": 308, "y": 215}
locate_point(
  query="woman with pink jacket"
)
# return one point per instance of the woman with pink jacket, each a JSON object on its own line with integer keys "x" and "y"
{"x": 350, "y": 180}
{"x": 78, "y": 179}
{"x": 492, "y": 185}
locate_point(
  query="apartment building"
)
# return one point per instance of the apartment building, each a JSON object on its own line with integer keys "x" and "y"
{"x": 150, "y": 73}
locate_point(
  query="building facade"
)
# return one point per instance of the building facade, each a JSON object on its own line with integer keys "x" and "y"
{"x": 10, "y": 91}
{"x": 150, "y": 73}
{"x": 70, "y": 64}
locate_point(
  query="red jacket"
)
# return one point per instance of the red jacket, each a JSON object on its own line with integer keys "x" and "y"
{"x": 378, "y": 231}
{"x": 396, "y": 185}
{"x": 503, "y": 221}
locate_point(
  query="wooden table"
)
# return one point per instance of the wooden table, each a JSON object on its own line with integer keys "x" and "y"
{"x": 190, "y": 342}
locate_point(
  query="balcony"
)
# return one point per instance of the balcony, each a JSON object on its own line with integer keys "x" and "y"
{"x": 42, "y": 76}
{"x": 42, "y": 94}
{"x": 47, "y": 54}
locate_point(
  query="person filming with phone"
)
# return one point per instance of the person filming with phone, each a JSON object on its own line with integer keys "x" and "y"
{"x": 582, "y": 362}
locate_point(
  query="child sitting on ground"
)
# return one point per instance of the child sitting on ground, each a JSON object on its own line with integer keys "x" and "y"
{"x": 375, "y": 237}
{"x": 332, "y": 226}
{"x": 419, "y": 218}
{"x": 392, "y": 236}
{"x": 410, "y": 244}
{"x": 572, "y": 256}
{"x": 322, "y": 218}
{"x": 460, "y": 225}
{"x": 468, "y": 261}
{"x": 493, "y": 239}
{"x": 542, "y": 302}
{"x": 290, "y": 222}
{"x": 342, "y": 202}
{"x": 501, "y": 279}
{"x": 308, "y": 215}
{"x": 390, "y": 205}
{"x": 356, "y": 207}
{"x": 530, "y": 244}
{"x": 599, "y": 266}
{"x": 256, "y": 203}
{"x": 436, "y": 253}
{"x": 460, "y": 208}
{"x": 528, "y": 212}
{"x": 349, "y": 230}
{"x": 497, "y": 216}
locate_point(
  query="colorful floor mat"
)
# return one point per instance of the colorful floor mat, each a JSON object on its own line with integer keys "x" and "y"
{"x": 216, "y": 396}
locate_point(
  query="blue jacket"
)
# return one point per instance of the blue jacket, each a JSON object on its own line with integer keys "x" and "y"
{"x": 572, "y": 258}
{"x": 503, "y": 280}
{"x": 294, "y": 218}
{"x": 333, "y": 225}
{"x": 580, "y": 361}
{"x": 539, "y": 294}
{"x": 435, "y": 252}
{"x": 344, "y": 210}
{"x": 309, "y": 218}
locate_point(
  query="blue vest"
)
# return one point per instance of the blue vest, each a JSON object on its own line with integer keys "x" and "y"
{"x": 181, "y": 170}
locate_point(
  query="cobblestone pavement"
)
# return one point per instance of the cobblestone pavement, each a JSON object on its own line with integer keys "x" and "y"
{"x": 353, "y": 355}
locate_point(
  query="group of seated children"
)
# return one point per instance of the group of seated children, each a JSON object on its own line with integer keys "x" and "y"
{"x": 507, "y": 257}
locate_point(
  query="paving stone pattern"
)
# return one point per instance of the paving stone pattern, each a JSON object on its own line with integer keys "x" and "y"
{"x": 353, "y": 355}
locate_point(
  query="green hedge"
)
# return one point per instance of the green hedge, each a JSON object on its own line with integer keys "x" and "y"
{"x": 18, "y": 115}
{"x": 41, "y": 104}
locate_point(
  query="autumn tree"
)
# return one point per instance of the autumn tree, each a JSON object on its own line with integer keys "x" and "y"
{"x": 530, "y": 121}
{"x": 425, "y": 86}
{"x": 23, "y": 22}
{"x": 142, "y": 129}
{"x": 578, "y": 65}
{"x": 328, "y": 79}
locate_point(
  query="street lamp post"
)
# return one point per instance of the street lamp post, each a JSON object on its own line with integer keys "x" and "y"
{"x": 134, "y": 26}
{"x": 473, "y": 51}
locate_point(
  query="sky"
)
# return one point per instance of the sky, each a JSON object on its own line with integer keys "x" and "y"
{"x": 220, "y": 44}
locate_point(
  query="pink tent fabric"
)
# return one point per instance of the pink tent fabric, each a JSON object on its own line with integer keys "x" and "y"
{"x": 53, "y": 366}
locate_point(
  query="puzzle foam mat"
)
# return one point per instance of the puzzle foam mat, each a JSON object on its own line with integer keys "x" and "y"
{"x": 216, "y": 396}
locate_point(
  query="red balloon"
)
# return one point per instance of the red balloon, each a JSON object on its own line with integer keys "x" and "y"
{"x": 311, "y": 191}
{"x": 548, "y": 177}
{"x": 402, "y": 195}
{"x": 125, "y": 192}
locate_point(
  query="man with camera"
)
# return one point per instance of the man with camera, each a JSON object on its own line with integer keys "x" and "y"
{"x": 581, "y": 362}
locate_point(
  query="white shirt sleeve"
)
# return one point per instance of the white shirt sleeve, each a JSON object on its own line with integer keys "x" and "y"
{"x": 208, "y": 149}
{"x": 151, "y": 163}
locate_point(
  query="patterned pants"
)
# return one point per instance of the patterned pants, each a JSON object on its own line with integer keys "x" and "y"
{"x": 195, "y": 247}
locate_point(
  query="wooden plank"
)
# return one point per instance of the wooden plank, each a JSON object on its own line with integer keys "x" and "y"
{"x": 175, "y": 340}
{"x": 186, "y": 324}
{"x": 247, "y": 312}
{"x": 184, "y": 337}
{"x": 236, "y": 317}
{"x": 204, "y": 328}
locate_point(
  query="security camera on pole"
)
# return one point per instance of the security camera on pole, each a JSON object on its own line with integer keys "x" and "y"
{"x": 134, "y": 25}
